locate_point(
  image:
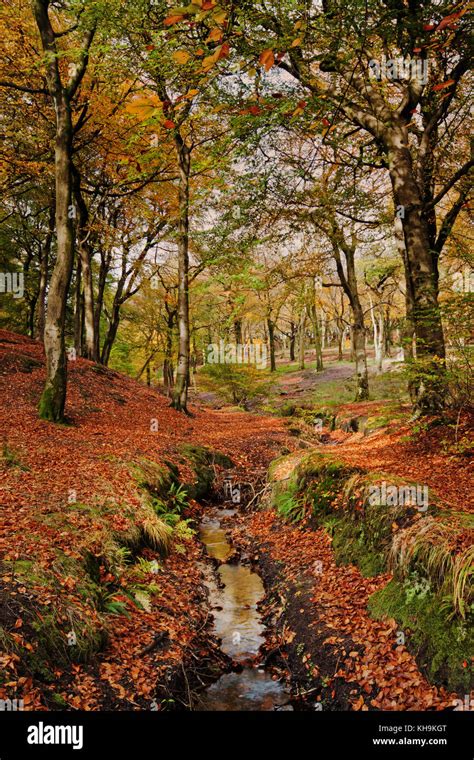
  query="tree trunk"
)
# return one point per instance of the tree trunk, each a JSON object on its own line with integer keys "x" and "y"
{"x": 301, "y": 338}
{"x": 52, "y": 402}
{"x": 78, "y": 311}
{"x": 317, "y": 339}
{"x": 271, "y": 342}
{"x": 340, "y": 338}
{"x": 180, "y": 393}
{"x": 85, "y": 253}
{"x": 43, "y": 281}
{"x": 292, "y": 341}
{"x": 422, "y": 277}
{"x": 238, "y": 331}
{"x": 111, "y": 333}
{"x": 53, "y": 399}
{"x": 352, "y": 357}
{"x": 99, "y": 302}
{"x": 378, "y": 331}
{"x": 168, "y": 370}
{"x": 349, "y": 285}
{"x": 362, "y": 378}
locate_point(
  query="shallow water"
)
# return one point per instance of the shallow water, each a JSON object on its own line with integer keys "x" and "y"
{"x": 238, "y": 624}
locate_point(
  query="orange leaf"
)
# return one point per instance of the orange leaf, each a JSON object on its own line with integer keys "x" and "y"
{"x": 267, "y": 59}
{"x": 173, "y": 20}
{"x": 214, "y": 35}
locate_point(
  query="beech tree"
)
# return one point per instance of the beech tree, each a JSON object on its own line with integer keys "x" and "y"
{"x": 406, "y": 115}
{"x": 62, "y": 87}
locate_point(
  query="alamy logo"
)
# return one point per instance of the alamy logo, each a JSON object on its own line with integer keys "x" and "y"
{"x": 397, "y": 69}
{"x": 235, "y": 353}
{"x": 12, "y": 282}
{"x": 42, "y": 734}
{"x": 465, "y": 705}
{"x": 11, "y": 705}
{"x": 393, "y": 496}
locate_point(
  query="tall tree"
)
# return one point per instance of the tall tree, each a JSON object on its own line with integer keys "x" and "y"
{"x": 62, "y": 87}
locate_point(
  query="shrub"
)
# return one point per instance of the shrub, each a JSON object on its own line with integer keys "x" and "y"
{"x": 237, "y": 383}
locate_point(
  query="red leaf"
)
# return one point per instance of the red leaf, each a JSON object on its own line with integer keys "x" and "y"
{"x": 443, "y": 85}
{"x": 225, "y": 50}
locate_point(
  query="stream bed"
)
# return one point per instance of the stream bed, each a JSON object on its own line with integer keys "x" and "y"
{"x": 234, "y": 596}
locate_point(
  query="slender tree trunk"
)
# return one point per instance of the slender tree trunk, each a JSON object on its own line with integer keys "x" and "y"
{"x": 31, "y": 315}
{"x": 53, "y": 399}
{"x": 362, "y": 378}
{"x": 180, "y": 393}
{"x": 377, "y": 327}
{"x": 352, "y": 341}
{"x": 292, "y": 341}
{"x": 340, "y": 338}
{"x": 78, "y": 311}
{"x": 317, "y": 339}
{"x": 44, "y": 267}
{"x": 168, "y": 370}
{"x": 349, "y": 284}
{"x": 238, "y": 331}
{"x": 85, "y": 253}
{"x": 271, "y": 342}
{"x": 111, "y": 333}
{"x": 301, "y": 338}
{"x": 99, "y": 302}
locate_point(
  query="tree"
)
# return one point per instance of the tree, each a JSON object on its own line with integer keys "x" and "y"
{"x": 348, "y": 40}
{"x": 62, "y": 89}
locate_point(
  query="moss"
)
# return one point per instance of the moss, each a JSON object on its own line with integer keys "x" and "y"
{"x": 26, "y": 571}
{"x": 323, "y": 483}
{"x": 51, "y": 404}
{"x": 350, "y": 546}
{"x": 203, "y": 462}
{"x": 59, "y": 701}
{"x": 51, "y": 638}
{"x": 442, "y": 644}
{"x": 155, "y": 478}
{"x": 287, "y": 410}
{"x": 11, "y": 458}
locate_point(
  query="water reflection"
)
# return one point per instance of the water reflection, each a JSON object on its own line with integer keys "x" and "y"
{"x": 238, "y": 624}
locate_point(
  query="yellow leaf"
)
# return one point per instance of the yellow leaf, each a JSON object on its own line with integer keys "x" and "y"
{"x": 214, "y": 35}
{"x": 191, "y": 93}
{"x": 296, "y": 42}
{"x": 181, "y": 56}
{"x": 220, "y": 17}
{"x": 210, "y": 60}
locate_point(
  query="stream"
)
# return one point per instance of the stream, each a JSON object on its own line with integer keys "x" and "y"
{"x": 234, "y": 592}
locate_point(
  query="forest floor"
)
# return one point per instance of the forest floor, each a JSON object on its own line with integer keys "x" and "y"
{"x": 64, "y": 485}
